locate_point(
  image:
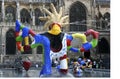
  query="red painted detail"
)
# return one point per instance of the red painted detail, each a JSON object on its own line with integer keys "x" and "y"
{"x": 68, "y": 42}
{"x": 82, "y": 49}
{"x": 26, "y": 65}
{"x": 64, "y": 71}
{"x": 27, "y": 48}
{"x": 18, "y": 45}
{"x": 54, "y": 24}
{"x": 56, "y": 50}
{"x": 16, "y": 34}
{"x": 63, "y": 57}
{"x": 95, "y": 34}
{"x": 32, "y": 32}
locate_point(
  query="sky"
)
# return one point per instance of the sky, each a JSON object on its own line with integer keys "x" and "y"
{"x": 115, "y": 39}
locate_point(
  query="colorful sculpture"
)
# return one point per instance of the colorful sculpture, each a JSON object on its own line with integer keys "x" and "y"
{"x": 55, "y": 43}
{"x": 26, "y": 65}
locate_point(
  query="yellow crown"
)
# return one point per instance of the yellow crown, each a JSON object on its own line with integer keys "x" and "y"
{"x": 54, "y": 17}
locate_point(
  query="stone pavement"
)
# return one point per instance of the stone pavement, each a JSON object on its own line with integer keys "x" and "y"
{"x": 34, "y": 72}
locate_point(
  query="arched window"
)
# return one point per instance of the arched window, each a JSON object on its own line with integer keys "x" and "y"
{"x": 103, "y": 21}
{"x": 78, "y": 17}
{"x": 103, "y": 49}
{"x": 103, "y": 46}
{"x": 25, "y": 16}
{"x": 0, "y": 7}
{"x": 10, "y": 42}
{"x": 0, "y": 11}
{"x": 37, "y": 15}
{"x": 107, "y": 16}
{"x": 39, "y": 49}
{"x": 0, "y": 17}
{"x": 10, "y": 14}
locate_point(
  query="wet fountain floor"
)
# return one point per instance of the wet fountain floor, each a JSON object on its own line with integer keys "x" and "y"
{"x": 34, "y": 72}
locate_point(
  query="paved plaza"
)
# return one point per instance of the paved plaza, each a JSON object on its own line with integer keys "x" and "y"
{"x": 34, "y": 72}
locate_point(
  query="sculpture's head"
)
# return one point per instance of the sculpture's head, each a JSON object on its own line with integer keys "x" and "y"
{"x": 55, "y": 20}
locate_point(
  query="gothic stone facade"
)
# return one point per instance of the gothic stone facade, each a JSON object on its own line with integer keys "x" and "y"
{"x": 81, "y": 17}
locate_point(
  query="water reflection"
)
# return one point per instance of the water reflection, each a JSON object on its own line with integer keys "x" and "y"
{"x": 35, "y": 73}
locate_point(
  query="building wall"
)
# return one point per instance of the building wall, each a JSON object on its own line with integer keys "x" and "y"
{"x": 68, "y": 3}
{"x": 87, "y": 5}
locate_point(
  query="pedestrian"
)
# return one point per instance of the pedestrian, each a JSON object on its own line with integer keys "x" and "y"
{"x": 36, "y": 65}
{"x": 94, "y": 64}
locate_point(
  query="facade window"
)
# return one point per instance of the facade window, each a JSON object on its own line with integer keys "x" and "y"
{"x": 37, "y": 15}
{"x": 25, "y": 16}
{"x": 61, "y": 3}
{"x": 105, "y": 48}
{"x": 103, "y": 21}
{"x": 99, "y": 18}
{"x": 0, "y": 7}
{"x": 107, "y": 16}
{"x": 107, "y": 20}
{"x": 10, "y": 14}
{"x": 0, "y": 11}
{"x": 39, "y": 50}
{"x": 78, "y": 17}
{"x": 10, "y": 42}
